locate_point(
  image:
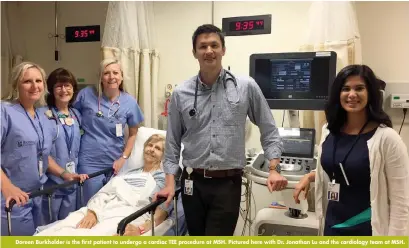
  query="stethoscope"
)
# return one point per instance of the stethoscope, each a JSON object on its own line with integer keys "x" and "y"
{"x": 100, "y": 114}
{"x": 57, "y": 118}
{"x": 193, "y": 111}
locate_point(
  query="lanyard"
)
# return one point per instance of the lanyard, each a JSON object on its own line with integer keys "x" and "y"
{"x": 68, "y": 138}
{"x": 40, "y": 140}
{"x": 336, "y": 139}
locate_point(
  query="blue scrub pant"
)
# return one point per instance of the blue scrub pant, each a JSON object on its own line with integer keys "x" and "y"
{"x": 24, "y": 220}
{"x": 61, "y": 206}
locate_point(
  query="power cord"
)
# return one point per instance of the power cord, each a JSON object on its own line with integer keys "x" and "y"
{"x": 246, "y": 213}
{"x": 403, "y": 121}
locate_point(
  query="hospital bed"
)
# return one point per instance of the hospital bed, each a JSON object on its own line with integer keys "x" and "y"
{"x": 49, "y": 192}
{"x": 151, "y": 209}
{"x": 174, "y": 225}
{"x": 170, "y": 226}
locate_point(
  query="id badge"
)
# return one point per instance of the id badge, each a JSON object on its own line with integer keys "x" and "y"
{"x": 119, "y": 132}
{"x": 70, "y": 167}
{"x": 40, "y": 167}
{"x": 333, "y": 191}
{"x": 188, "y": 187}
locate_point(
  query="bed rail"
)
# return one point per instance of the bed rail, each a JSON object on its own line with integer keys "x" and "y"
{"x": 50, "y": 190}
{"x": 151, "y": 209}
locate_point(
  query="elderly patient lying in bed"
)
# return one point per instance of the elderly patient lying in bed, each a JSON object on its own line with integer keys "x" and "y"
{"x": 121, "y": 196}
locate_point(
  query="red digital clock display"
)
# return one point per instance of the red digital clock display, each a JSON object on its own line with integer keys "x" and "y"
{"x": 247, "y": 25}
{"x": 82, "y": 34}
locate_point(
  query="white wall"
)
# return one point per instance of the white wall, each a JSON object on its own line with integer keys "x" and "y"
{"x": 289, "y": 23}
{"x": 384, "y": 32}
{"x": 38, "y": 22}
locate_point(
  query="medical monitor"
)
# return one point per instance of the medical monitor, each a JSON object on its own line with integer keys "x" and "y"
{"x": 297, "y": 81}
{"x": 298, "y": 142}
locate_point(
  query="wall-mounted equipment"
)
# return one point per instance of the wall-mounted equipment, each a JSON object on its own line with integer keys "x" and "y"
{"x": 399, "y": 100}
{"x": 246, "y": 25}
{"x": 294, "y": 81}
{"x": 82, "y": 34}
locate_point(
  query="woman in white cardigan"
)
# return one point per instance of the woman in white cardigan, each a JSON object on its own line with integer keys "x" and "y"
{"x": 362, "y": 175}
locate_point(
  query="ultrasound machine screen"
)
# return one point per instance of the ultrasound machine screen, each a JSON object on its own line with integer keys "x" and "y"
{"x": 297, "y": 142}
{"x": 298, "y": 81}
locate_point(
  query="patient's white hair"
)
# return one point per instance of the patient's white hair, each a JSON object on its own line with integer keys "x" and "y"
{"x": 153, "y": 139}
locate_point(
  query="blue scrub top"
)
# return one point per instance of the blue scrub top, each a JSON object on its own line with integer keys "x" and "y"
{"x": 59, "y": 150}
{"x": 20, "y": 146}
{"x": 100, "y": 146}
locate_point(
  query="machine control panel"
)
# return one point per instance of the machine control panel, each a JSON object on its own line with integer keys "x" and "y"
{"x": 297, "y": 158}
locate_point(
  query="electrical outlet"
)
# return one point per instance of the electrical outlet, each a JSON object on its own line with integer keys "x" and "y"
{"x": 169, "y": 89}
{"x": 399, "y": 100}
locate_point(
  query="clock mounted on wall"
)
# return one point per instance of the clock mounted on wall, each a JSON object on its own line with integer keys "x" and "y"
{"x": 246, "y": 25}
{"x": 82, "y": 34}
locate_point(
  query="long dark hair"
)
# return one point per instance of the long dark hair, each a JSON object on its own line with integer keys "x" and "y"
{"x": 337, "y": 116}
{"x": 60, "y": 75}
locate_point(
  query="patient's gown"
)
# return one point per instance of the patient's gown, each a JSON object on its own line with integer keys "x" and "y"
{"x": 122, "y": 196}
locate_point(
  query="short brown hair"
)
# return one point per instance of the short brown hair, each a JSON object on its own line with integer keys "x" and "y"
{"x": 60, "y": 75}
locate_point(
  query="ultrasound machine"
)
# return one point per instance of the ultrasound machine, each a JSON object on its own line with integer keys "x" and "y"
{"x": 290, "y": 82}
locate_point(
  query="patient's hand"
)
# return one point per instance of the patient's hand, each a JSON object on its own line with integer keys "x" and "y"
{"x": 118, "y": 164}
{"x": 131, "y": 230}
{"x": 89, "y": 221}
{"x": 74, "y": 176}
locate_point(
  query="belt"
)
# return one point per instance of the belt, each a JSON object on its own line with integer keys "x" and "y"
{"x": 218, "y": 173}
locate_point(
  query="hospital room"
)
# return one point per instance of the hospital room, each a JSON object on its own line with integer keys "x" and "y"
{"x": 205, "y": 118}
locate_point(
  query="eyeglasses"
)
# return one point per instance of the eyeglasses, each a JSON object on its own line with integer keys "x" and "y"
{"x": 67, "y": 86}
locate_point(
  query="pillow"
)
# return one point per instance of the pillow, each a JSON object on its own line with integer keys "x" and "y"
{"x": 135, "y": 160}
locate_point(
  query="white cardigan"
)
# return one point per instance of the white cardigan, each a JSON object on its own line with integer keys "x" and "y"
{"x": 389, "y": 187}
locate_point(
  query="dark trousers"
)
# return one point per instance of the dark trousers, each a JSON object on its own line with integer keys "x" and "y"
{"x": 213, "y": 209}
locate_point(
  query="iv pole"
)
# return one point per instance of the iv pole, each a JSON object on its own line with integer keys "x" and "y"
{"x": 56, "y": 35}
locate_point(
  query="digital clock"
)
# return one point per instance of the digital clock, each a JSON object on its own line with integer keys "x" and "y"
{"x": 247, "y": 25}
{"x": 82, "y": 34}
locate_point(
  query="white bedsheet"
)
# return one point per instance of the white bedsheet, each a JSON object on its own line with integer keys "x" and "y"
{"x": 107, "y": 227}
{"x": 115, "y": 201}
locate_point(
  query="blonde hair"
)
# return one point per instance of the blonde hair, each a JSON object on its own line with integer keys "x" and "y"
{"x": 156, "y": 138}
{"x": 104, "y": 63}
{"x": 16, "y": 77}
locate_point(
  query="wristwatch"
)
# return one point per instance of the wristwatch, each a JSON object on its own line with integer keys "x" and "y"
{"x": 276, "y": 167}
{"x": 124, "y": 157}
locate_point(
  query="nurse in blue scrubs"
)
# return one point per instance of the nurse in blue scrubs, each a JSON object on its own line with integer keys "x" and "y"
{"x": 66, "y": 121}
{"x": 106, "y": 110}
{"x": 26, "y": 140}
